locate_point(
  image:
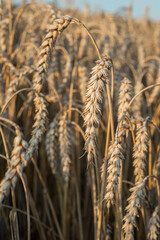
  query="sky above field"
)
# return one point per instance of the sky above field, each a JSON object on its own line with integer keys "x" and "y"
{"x": 114, "y": 6}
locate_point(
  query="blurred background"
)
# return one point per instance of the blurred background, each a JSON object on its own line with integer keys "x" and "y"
{"x": 139, "y": 7}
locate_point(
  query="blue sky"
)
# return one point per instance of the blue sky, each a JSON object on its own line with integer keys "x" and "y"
{"x": 114, "y": 5}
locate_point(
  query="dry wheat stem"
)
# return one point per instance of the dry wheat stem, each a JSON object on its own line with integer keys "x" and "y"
{"x": 49, "y": 199}
{"x": 148, "y": 58}
{"x": 4, "y": 142}
{"x": 15, "y": 94}
{"x": 4, "y": 157}
{"x": 143, "y": 90}
{"x": 103, "y": 179}
{"x": 27, "y": 203}
{"x": 32, "y": 217}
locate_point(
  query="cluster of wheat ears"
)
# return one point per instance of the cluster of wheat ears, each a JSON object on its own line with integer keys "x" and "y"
{"x": 79, "y": 124}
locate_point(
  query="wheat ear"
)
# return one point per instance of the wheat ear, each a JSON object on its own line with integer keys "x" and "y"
{"x": 65, "y": 146}
{"x": 40, "y": 102}
{"x": 154, "y": 225}
{"x": 140, "y": 152}
{"x": 3, "y": 34}
{"x": 113, "y": 170}
{"x": 17, "y": 163}
{"x": 83, "y": 79}
{"x": 136, "y": 199}
{"x": 125, "y": 95}
{"x": 52, "y": 145}
{"x": 94, "y": 97}
{"x": 49, "y": 42}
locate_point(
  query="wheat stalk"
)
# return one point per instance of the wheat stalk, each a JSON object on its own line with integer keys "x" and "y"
{"x": 2, "y": 88}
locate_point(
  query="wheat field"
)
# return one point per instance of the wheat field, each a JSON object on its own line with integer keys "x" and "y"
{"x": 79, "y": 124}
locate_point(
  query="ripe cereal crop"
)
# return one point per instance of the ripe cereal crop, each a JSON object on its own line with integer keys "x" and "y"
{"x": 79, "y": 124}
